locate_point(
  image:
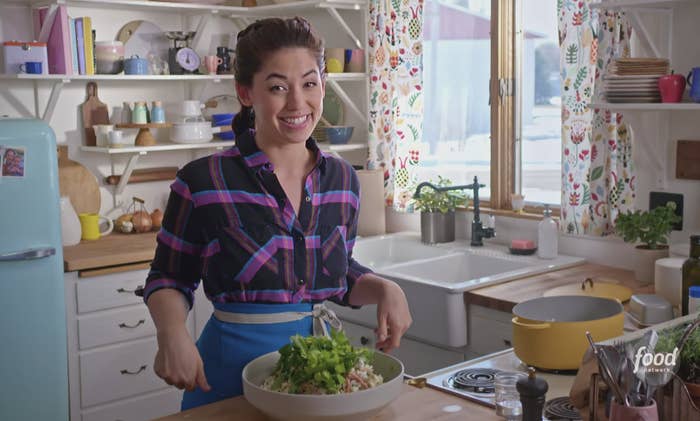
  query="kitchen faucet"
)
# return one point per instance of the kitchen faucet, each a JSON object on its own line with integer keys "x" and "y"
{"x": 478, "y": 230}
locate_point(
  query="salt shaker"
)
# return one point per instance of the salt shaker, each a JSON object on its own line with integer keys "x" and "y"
{"x": 532, "y": 395}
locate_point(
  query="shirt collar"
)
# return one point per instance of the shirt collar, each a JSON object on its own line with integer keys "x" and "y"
{"x": 257, "y": 160}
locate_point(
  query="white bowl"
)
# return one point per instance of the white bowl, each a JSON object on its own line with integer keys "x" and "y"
{"x": 193, "y": 132}
{"x": 342, "y": 407}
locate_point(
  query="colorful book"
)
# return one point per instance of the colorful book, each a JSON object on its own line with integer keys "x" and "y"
{"x": 80, "y": 44}
{"x": 88, "y": 45}
{"x": 58, "y": 45}
{"x": 73, "y": 46}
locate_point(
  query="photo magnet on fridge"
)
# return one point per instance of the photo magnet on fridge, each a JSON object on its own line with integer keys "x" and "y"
{"x": 12, "y": 161}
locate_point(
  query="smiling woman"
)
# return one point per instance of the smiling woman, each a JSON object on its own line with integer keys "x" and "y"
{"x": 268, "y": 226}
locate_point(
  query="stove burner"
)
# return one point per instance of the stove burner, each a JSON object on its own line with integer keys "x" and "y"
{"x": 477, "y": 380}
{"x": 561, "y": 409}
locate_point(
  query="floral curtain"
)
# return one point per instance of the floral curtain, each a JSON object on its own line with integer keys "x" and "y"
{"x": 396, "y": 104}
{"x": 598, "y": 175}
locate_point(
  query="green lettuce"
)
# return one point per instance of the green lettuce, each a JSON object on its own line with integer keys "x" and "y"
{"x": 320, "y": 361}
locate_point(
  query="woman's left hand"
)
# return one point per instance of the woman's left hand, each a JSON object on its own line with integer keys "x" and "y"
{"x": 393, "y": 316}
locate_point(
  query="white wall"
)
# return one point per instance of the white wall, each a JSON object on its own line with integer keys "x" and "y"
{"x": 17, "y": 96}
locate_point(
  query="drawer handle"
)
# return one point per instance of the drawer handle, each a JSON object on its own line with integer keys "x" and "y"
{"x": 124, "y": 325}
{"x": 508, "y": 343}
{"x": 143, "y": 367}
{"x": 364, "y": 340}
{"x": 129, "y": 291}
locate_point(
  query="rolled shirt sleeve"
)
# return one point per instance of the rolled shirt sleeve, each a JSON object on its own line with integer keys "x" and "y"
{"x": 178, "y": 258}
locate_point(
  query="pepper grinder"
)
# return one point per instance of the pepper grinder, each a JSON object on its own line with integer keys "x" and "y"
{"x": 532, "y": 394}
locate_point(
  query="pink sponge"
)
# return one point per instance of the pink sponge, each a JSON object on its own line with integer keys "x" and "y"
{"x": 522, "y": 244}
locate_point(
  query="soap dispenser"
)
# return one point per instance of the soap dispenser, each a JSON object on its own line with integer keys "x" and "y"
{"x": 547, "y": 235}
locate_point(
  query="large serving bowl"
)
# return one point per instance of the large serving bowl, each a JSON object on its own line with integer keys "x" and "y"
{"x": 342, "y": 407}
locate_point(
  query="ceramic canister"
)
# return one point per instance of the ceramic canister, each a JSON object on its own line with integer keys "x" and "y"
{"x": 668, "y": 278}
{"x": 109, "y": 57}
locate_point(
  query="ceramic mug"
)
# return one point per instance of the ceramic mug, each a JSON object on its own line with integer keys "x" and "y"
{"x": 355, "y": 60}
{"x": 102, "y": 133}
{"x": 638, "y": 413}
{"x": 335, "y": 60}
{"x": 212, "y": 63}
{"x": 694, "y": 84}
{"x": 90, "y": 226}
{"x": 116, "y": 139}
{"x": 31, "y": 67}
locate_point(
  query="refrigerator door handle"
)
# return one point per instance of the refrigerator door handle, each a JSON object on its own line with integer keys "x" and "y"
{"x": 30, "y": 254}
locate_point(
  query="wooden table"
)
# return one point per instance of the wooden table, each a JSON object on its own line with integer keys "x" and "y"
{"x": 412, "y": 405}
{"x": 503, "y": 297}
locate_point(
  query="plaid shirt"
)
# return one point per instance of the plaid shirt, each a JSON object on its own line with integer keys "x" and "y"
{"x": 228, "y": 222}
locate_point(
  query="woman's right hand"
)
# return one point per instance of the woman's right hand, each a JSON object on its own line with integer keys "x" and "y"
{"x": 178, "y": 361}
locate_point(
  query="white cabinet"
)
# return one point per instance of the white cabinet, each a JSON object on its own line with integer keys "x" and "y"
{"x": 111, "y": 348}
{"x": 417, "y": 357}
{"x": 489, "y": 330}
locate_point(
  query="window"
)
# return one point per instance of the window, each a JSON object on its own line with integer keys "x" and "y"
{"x": 476, "y": 122}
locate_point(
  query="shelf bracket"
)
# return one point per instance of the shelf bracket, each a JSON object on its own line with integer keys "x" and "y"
{"x": 53, "y": 99}
{"x": 645, "y": 39}
{"x": 133, "y": 159}
{"x": 335, "y": 15}
{"x": 203, "y": 21}
{"x": 653, "y": 147}
{"x": 346, "y": 99}
{"x": 48, "y": 23}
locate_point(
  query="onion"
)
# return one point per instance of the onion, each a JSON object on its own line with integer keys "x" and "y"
{"x": 157, "y": 219}
{"x": 142, "y": 221}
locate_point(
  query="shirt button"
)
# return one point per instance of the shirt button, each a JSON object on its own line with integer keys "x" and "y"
{"x": 308, "y": 198}
{"x": 301, "y": 282}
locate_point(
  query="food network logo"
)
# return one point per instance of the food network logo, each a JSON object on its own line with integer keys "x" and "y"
{"x": 660, "y": 362}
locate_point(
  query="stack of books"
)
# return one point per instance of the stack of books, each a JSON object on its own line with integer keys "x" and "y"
{"x": 634, "y": 80}
{"x": 70, "y": 42}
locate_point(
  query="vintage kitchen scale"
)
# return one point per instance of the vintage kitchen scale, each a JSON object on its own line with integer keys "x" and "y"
{"x": 182, "y": 59}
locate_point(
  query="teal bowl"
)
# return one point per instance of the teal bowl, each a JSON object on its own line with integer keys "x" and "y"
{"x": 338, "y": 135}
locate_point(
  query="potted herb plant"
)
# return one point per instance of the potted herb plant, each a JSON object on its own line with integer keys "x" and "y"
{"x": 650, "y": 229}
{"x": 437, "y": 207}
{"x": 689, "y": 358}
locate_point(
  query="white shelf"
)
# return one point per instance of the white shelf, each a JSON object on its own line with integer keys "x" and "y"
{"x": 143, "y": 150}
{"x": 681, "y": 106}
{"x": 327, "y": 147}
{"x": 341, "y": 77}
{"x": 194, "y": 7}
{"x": 640, "y": 4}
{"x": 120, "y": 77}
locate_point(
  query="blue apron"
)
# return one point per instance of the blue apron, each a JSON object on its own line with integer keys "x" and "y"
{"x": 227, "y": 347}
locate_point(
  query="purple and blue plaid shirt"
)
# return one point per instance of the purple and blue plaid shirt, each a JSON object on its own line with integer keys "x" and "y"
{"x": 228, "y": 222}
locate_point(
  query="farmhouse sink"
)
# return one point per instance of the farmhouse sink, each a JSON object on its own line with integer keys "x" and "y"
{"x": 434, "y": 278}
{"x": 386, "y": 250}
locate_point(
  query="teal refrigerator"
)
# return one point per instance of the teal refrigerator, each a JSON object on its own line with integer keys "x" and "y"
{"x": 33, "y": 363}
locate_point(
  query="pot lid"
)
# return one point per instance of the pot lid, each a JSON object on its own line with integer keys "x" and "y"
{"x": 604, "y": 288}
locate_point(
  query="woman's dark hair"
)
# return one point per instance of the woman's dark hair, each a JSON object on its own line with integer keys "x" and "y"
{"x": 262, "y": 38}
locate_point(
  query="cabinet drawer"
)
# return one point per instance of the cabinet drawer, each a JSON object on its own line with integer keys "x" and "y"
{"x": 117, "y": 372}
{"x": 107, "y": 291}
{"x": 115, "y": 326}
{"x": 487, "y": 336}
{"x": 139, "y": 409}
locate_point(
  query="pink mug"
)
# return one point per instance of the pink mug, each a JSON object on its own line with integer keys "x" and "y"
{"x": 212, "y": 62}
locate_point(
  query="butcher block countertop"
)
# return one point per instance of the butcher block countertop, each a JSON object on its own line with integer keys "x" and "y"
{"x": 111, "y": 250}
{"x": 504, "y": 297}
{"x": 412, "y": 405}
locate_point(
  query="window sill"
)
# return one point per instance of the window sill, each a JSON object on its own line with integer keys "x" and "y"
{"x": 531, "y": 213}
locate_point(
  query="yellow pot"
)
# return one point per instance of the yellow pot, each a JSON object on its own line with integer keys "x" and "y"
{"x": 550, "y": 332}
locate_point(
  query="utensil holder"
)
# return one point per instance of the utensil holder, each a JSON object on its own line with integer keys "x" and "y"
{"x": 673, "y": 401}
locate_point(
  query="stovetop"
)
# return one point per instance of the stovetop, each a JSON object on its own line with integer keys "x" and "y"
{"x": 473, "y": 380}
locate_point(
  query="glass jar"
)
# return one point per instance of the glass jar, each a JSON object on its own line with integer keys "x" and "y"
{"x": 507, "y": 398}
{"x": 109, "y": 57}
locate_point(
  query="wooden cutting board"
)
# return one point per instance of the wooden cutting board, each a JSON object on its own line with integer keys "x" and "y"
{"x": 94, "y": 112}
{"x": 78, "y": 183}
